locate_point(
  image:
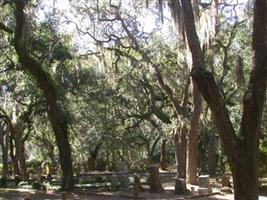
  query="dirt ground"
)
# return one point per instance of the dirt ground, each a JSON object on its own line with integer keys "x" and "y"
{"x": 22, "y": 194}
{"x": 19, "y": 194}
{"x": 105, "y": 194}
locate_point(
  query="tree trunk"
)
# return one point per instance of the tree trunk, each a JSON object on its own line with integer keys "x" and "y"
{"x": 65, "y": 158}
{"x": 154, "y": 180}
{"x": 16, "y": 170}
{"x": 22, "y": 161}
{"x": 212, "y": 154}
{"x": 180, "y": 143}
{"x": 56, "y": 114}
{"x": 4, "y": 146}
{"x": 163, "y": 160}
{"x": 20, "y": 151}
{"x": 245, "y": 175}
{"x": 192, "y": 147}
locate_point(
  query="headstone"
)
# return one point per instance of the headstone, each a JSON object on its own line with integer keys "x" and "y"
{"x": 122, "y": 167}
{"x": 123, "y": 181}
{"x": 204, "y": 181}
{"x": 204, "y": 184}
{"x": 180, "y": 186}
{"x": 114, "y": 183}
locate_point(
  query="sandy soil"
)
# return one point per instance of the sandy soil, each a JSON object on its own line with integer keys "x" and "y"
{"x": 19, "y": 194}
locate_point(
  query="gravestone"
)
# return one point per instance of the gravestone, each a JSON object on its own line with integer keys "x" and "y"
{"x": 180, "y": 186}
{"x": 123, "y": 182}
{"x": 204, "y": 181}
{"x": 122, "y": 171}
{"x": 204, "y": 184}
{"x": 114, "y": 183}
{"x": 122, "y": 167}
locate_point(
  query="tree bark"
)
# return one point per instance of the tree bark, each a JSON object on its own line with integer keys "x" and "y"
{"x": 4, "y": 146}
{"x": 56, "y": 114}
{"x": 163, "y": 160}
{"x": 19, "y": 150}
{"x": 180, "y": 143}
{"x": 212, "y": 154}
{"x": 192, "y": 158}
{"x": 154, "y": 180}
{"x": 242, "y": 149}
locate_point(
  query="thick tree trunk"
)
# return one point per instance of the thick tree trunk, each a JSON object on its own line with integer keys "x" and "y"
{"x": 154, "y": 180}
{"x": 56, "y": 114}
{"x": 180, "y": 143}
{"x": 4, "y": 146}
{"x": 163, "y": 160}
{"x": 16, "y": 170}
{"x": 20, "y": 151}
{"x": 60, "y": 130}
{"x": 245, "y": 174}
{"x": 192, "y": 158}
{"x": 22, "y": 161}
{"x": 212, "y": 154}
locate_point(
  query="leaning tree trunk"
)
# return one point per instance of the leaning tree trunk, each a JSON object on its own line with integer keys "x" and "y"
{"x": 56, "y": 114}
{"x": 192, "y": 158}
{"x": 242, "y": 149}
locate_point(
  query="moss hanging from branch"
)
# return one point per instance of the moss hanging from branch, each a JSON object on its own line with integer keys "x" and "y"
{"x": 206, "y": 15}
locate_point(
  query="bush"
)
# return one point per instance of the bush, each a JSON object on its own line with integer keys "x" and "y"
{"x": 17, "y": 180}
{"x": 37, "y": 185}
{"x": 3, "y": 182}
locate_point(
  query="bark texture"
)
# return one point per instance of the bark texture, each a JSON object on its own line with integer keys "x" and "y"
{"x": 180, "y": 144}
{"x": 4, "y": 140}
{"x": 154, "y": 180}
{"x": 163, "y": 159}
{"x": 192, "y": 158}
